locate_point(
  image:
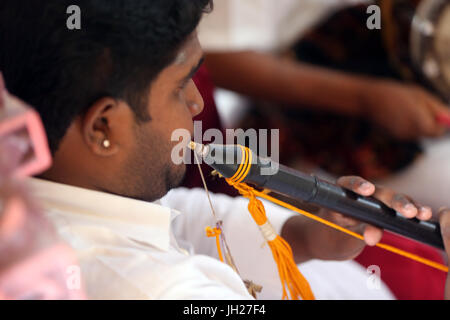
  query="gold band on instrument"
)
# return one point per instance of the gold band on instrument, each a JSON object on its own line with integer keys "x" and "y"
{"x": 244, "y": 167}
{"x": 241, "y": 166}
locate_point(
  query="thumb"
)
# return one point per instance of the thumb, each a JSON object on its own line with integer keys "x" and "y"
{"x": 444, "y": 220}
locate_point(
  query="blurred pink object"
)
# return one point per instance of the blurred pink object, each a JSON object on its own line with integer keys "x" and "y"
{"x": 48, "y": 275}
{"x": 13, "y": 218}
{"x": 34, "y": 263}
{"x": 19, "y": 120}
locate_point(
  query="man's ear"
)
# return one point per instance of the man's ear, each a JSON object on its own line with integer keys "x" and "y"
{"x": 97, "y": 127}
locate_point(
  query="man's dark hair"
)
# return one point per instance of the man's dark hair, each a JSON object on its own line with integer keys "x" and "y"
{"x": 122, "y": 46}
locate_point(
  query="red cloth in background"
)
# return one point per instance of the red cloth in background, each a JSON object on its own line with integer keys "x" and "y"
{"x": 407, "y": 279}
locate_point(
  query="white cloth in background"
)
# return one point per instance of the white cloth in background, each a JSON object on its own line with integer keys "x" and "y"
{"x": 331, "y": 280}
{"x": 427, "y": 180}
{"x": 265, "y": 25}
{"x": 127, "y": 250}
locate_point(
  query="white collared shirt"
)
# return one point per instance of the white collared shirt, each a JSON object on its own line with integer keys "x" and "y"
{"x": 131, "y": 249}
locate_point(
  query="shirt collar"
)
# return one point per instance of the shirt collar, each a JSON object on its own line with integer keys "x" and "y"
{"x": 138, "y": 220}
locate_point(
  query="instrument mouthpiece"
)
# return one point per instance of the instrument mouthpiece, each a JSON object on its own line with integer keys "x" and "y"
{"x": 200, "y": 149}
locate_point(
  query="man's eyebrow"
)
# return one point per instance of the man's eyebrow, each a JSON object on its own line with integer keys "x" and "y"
{"x": 193, "y": 70}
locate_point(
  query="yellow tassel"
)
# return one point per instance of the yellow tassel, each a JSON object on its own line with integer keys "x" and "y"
{"x": 291, "y": 278}
{"x": 215, "y": 232}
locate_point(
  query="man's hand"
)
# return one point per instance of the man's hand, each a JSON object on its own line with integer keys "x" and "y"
{"x": 399, "y": 202}
{"x": 312, "y": 240}
{"x": 406, "y": 111}
{"x": 445, "y": 230}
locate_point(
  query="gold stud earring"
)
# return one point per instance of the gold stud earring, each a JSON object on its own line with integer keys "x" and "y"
{"x": 106, "y": 143}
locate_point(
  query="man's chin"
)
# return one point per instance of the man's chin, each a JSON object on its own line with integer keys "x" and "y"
{"x": 175, "y": 177}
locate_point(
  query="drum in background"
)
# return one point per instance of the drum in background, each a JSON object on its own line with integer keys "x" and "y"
{"x": 430, "y": 44}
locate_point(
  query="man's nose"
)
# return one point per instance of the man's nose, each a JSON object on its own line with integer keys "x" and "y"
{"x": 195, "y": 100}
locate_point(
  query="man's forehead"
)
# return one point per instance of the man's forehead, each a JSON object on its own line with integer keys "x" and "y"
{"x": 186, "y": 59}
{"x": 181, "y": 58}
{"x": 190, "y": 52}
